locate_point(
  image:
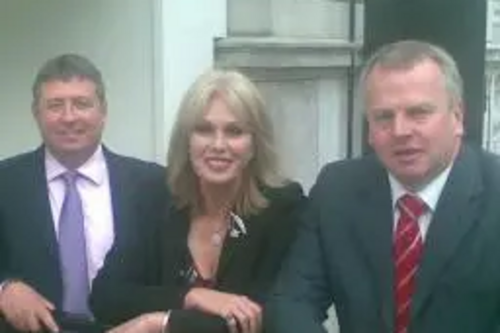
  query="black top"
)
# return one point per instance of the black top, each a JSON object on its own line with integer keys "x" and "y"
{"x": 152, "y": 269}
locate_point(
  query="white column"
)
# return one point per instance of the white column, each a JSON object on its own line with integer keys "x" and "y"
{"x": 184, "y": 37}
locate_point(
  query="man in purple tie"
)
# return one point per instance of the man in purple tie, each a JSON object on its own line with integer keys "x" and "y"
{"x": 64, "y": 204}
{"x": 405, "y": 240}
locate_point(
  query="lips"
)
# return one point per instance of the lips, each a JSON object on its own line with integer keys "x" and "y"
{"x": 70, "y": 137}
{"x": 218, "y": 163}
{"x": 407, "y": 155}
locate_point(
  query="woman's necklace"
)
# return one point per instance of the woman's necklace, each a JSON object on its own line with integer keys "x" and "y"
{"x": 217, "y": 237}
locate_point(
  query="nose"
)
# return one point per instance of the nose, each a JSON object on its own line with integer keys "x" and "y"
{"x": 68, "y": 113}
{"x": 401, "y": 126}
{"x": 219, "y": 141}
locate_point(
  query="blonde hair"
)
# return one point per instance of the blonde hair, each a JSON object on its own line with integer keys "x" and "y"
{"x": 243, "y": 98}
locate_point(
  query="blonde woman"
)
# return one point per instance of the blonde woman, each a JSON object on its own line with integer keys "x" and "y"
{"x": 206, "y": 264}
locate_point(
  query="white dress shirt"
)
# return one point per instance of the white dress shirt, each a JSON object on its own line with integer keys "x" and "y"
{"x": 95, "y": 193}
{"x": 429, "y": 194}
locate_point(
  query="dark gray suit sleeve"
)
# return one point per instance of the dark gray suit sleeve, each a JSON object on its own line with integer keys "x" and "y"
{"x": 301, "y": 296}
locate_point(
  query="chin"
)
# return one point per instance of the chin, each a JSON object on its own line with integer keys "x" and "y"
{"x": 219, "y": 180}
{"x": 413, "y": 180}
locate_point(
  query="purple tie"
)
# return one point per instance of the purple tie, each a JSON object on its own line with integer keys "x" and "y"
{"x": 72, "y": 249}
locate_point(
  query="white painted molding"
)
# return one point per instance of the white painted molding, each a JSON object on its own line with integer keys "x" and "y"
{"x": 273, "y": 52}
{"x": 158, "y": 126}
{"x": 493, "y": 56}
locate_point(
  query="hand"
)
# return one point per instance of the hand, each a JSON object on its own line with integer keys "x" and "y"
{"x": 147, "y": 323}
{"x": 237, "y": 310}
{"x": 25, "y": 309}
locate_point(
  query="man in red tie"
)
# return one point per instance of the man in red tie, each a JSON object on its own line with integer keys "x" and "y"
{"x": 406, "y": 240}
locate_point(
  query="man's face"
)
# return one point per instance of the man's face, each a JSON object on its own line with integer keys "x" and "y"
{"x": 415, "y": 127}
{"x": 71, "y": 119}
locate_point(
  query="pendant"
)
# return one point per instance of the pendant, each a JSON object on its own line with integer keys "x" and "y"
{"x": 216, "y": 239}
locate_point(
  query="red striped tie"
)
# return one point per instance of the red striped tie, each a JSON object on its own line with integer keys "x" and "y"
{"x": 408, "y": 248}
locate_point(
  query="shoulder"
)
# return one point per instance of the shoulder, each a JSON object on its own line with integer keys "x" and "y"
{"x": 350, "y": 168}
{"x": 132, "y": 162}
{"x": 285, "y": 203}
{"x": 489, "y": 165}
{"x": 488, "y": 160}
{"x": 23, "y": 158}
{"x": 349, "y": 174}
{"x": 289, "y": 194}
{"x": 134, "y": 168}
{"x": 20, "y": 162}
{"x": 146, "y": 180}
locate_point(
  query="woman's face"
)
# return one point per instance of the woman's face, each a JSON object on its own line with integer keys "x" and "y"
{"x": 220, "y": 146}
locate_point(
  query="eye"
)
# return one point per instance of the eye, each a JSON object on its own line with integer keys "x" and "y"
{"x": 382, "y": 116}
{"x": 203, "y": 128}
{"x": 234, "y": 130}
{"x": 83, "y": 103}
{"x": 420, "y": 112}
{"x": 55, "y": 106}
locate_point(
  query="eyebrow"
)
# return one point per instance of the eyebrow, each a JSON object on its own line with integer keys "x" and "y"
{"x": 424, "y": 105}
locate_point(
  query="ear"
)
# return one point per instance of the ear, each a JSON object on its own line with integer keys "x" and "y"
{"x": 369, "y": 135}
{"x": 104, "y": 107}
{"x": 458, "y": 113}
{"x": 34, "y": 108}
{"x": 250, "y": 155}
{"x": 35, "y": 112}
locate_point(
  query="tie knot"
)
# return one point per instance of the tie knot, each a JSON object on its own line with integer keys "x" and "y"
{"x": 70, "y": 176}
{"x": 411, "y": 205}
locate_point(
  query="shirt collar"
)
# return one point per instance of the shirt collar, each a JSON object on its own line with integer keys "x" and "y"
{"x": 429, "y": 194}
{"x": 93, "y": 169}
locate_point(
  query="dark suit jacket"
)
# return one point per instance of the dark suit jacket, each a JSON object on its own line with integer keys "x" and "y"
{"x": 28, "y": 244}
{"x": 149, "y": 272}
{"x": 343, "y": 254}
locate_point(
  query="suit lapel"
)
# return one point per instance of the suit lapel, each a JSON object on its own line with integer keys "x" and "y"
{"x": 117, "y": 184}
{"x": 232, "y": 245}
{"x": 175, "y": 255}
{"x": 39, "y": 221}
{"x": 373, "y": 223}
{"x": 41, "y": 204}
{"x": 454, "y": 216}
